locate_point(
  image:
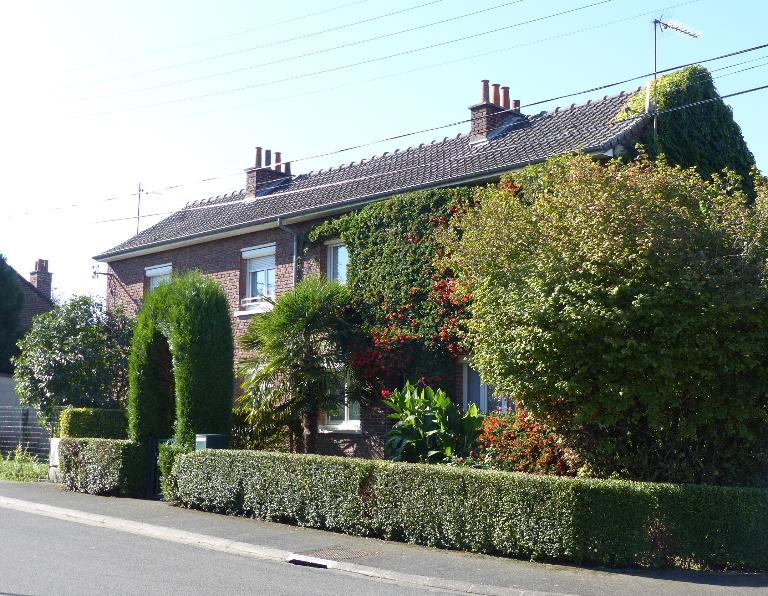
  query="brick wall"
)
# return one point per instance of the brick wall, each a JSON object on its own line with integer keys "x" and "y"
{"x": 34, "y": 304}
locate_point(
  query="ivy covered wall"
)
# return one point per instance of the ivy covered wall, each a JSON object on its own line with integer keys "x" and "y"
{"x": 408, "y": 310}
{"x": 705, "y": 136}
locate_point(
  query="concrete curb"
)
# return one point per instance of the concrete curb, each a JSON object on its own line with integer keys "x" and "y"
{"x": 256, "y": 551}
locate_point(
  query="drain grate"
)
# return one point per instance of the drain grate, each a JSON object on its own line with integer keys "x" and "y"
{"x": 335, "y": 554}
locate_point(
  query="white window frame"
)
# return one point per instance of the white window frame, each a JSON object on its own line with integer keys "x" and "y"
{"x": 163, "y": 271}
{"x": 352, "y": 426}
{"x": 330, "y": 245}
{"x": 250, "y": 303}
{"x": 483, "y": 405}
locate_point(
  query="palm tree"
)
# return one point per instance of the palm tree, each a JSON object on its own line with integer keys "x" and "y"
{"x": 299, "y": 361}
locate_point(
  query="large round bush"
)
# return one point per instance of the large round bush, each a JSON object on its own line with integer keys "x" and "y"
{"x": 626, "y": 307}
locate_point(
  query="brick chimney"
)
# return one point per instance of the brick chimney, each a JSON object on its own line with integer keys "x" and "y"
{"x": 41, "y": 278}
{"x": 491, "y": 111}
{"x": 264, "y": 172}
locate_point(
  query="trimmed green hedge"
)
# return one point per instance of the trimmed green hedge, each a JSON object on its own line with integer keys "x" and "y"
{"x": 102, "y": 466}
{"x": 617, "y": 523}
{"x": 94, "y": 423}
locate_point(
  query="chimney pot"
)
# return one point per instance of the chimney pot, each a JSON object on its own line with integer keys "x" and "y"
{"x": 263, "y": 173}
{"x": 505, "y": 98}
{"x": 516, "y": 105}
{"x": 484, "y": 91}
{"x": 495, "y": 100}
{"x": 287, "y": 168}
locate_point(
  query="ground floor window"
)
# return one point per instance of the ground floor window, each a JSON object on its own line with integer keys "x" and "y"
{"x": 343, "y": 415}
{"x": 478, "y": 393}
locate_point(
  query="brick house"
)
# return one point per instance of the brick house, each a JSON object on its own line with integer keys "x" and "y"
{"x": 37, "y": 299}
{"x": 249, "y": 241}
{"x": 37, "y": 293}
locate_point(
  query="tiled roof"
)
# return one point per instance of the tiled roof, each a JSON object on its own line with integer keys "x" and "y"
{"x": 521, "y": 140}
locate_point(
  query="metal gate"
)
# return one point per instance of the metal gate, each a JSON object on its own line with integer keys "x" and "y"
{"x": 19, "y": 426}
{"x": 152, "y": 488}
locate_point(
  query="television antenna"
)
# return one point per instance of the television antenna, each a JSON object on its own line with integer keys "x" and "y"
{"x": 661, "y": 26}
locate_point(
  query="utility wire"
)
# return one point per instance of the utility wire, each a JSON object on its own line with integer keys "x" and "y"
{"x": 270, "y": 44}
{"x": 439, "y": 127}
{"x": 215, "y": 39}
{"x": 297, "y": 56}
{"x": 422, "y": 165}
{"x": 387, "y": 57}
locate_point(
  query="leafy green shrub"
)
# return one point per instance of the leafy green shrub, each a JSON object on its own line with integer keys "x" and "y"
{"x": 168, "y": 453}
{"x": 608, "y": 522}
{"x": 181, "y": 362}
{"x": 74, "y": 355}
{"x": 98, "y": 423}
{"x": 430, "y": 427}
{"x": 314, "y": 491}
{"x": 22, "y": 466}
{"x": 518, "y": 443}
{"x": 624, "y": 306}
{"x": 713, "y": 525}
{"x": 102, "y": 466}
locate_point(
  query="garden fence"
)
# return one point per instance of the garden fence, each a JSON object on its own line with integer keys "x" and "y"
{"x": 19, "y": 426}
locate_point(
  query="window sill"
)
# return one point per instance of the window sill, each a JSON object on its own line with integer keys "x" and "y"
{"x": 341, "y": 429}
{"x": 254, "y": 309}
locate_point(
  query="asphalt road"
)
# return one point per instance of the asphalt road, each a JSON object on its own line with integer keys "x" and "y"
{"x": 39, "y": 555}
{"x": 44, "y": 554}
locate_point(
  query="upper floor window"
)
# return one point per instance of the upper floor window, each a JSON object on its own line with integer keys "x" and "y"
{"x": 482, "y": 395}
{"x": 259, "y": 274}
{"x": 338, "y": 258}
{"x": 156, "y": 275}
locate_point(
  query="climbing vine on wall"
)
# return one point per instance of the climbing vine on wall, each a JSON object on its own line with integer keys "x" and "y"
{"x": 705, "y": 136}
{"x": 410, "y": 310}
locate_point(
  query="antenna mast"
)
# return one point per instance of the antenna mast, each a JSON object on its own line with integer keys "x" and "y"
{"x": 650, "y": 95}
{"x": 138, "y": 208}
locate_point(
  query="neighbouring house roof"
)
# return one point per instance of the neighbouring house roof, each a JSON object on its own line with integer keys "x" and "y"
{"x": 29, "y": 287}
{"x": 519, "y": 141}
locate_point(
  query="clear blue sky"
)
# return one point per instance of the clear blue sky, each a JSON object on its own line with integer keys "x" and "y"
{"x": 81, "y": 82}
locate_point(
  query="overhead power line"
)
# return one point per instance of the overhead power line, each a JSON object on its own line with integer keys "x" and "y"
{"x": 439, "y": 127}
{"x": 278, "y": 42}
{"x": 389, "y": 57}
{"x": 222, "y": 37}
{"x": 395, "y": 191}
{"x": 299, "y": 56}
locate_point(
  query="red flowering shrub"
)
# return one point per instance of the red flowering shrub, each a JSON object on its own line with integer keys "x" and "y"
{"x": 517, "y": 443}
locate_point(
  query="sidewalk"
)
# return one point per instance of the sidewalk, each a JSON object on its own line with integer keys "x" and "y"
{"x": 391, "y": 557}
